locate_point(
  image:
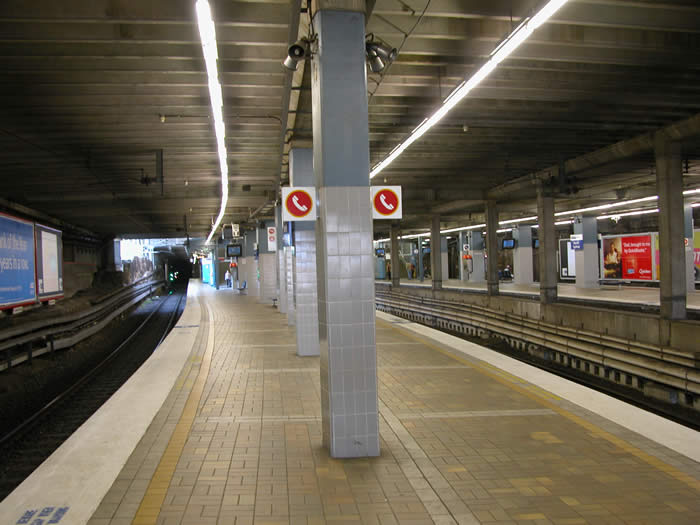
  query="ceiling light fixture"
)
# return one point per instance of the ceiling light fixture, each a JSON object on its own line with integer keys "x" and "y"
{"x": 503, "y": 51}
{"x": 207, "y": 34}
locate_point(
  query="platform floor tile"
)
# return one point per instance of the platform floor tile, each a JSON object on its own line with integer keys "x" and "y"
{"x": 239, "y": 442}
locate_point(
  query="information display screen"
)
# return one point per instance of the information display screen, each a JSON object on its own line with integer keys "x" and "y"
{"x": 234, "y": 250}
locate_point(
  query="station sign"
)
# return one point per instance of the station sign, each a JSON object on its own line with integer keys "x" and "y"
{"x": 299, "y": 203}
{"x": 386, "y": 202}
{"x": 577, "y": 245}
{"x": 271, "y": 239}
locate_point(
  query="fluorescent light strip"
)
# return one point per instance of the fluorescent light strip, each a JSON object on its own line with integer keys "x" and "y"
{"x": 207, "y": 34}
{"x": 628, "y": 214}
{"x": 607, "y": 206}
{"x": 503, "y": 51}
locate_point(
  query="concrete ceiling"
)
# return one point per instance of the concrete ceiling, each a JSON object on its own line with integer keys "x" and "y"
{"x": 93, "y": 90}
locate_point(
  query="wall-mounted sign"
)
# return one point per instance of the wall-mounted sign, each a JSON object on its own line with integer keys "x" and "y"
{"x": 386, "y": 202}
{"x": 271, "y": 239}
{"x": 577, "y": 245}
{"x": 627, "y": 257}
{"x": 299, "y": 203}
{"x": 17, "y": 263}
{"x": 49, "y": 262}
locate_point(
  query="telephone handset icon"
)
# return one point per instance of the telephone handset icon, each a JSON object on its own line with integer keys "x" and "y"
{"x": 295, "y": 201}
{"x": 387, "y": 205}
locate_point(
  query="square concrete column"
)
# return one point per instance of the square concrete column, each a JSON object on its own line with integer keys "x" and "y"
{"x": 436, "y": 253}
{"x": 419, "y": 266}
{"x": 669, "y": 185}
{"x": 492, "y": 248}
{"x": 291, "y": 299}
{"x": 689, "y": 248}
{"x": 476, "y": 247}
{"x": 345, "y": 261}
{"x": 548, "y": 242}
{"x": 395, "y": 259}
{"x": 281, "y": 262}
{"x": 522, "y": 256}
{"x": 444, "y": 258}
{"x": 587, "y": 259}
{"x": 301, "y": 173}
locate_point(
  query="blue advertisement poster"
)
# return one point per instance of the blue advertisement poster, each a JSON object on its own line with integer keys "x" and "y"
{"x": 16, "y": 261}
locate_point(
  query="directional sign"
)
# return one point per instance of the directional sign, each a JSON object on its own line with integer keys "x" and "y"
{"x": 299, "y": 203}
{"x": 386, "y": 202}
{"x": 271, "y": 239}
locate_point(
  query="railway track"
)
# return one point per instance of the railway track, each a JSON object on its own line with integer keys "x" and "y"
{"x": 25, "y": 447}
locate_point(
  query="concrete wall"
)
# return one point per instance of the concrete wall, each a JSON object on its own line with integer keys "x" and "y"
{"x": 80, "y": 262}
{"x": 635, "y": 326}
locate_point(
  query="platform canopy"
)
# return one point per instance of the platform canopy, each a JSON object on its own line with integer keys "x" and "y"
{"x": 106, "y": 122}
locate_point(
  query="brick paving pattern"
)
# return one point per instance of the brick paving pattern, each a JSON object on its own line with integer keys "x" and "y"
{"x": 461, "y": 443}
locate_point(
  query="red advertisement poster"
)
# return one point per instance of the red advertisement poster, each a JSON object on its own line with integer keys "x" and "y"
{"x": 636, "y": 257}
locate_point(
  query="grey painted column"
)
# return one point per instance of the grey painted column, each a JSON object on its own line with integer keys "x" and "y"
{"x": 345, "y": 262}
{"x": 419, "y": 266}
{"x": 436, "y": 253}
{"x": 395, "y": 259}
{"x": 476, "y": 247}
{"x": 522, "y": 258}
{"x": 689, "y": 249}
{"x": 587, "y": 260}
{"x": 669, "y": 185}
{"x": 492, "y": 248}
{"x": 291, "y": 299}
{"x": 462, "y": 240}
{"x": 301, "y": 172}
{"x": 547, "y": 251}
{"x": 281, "y": 261}
{"x": 444, "y": 257}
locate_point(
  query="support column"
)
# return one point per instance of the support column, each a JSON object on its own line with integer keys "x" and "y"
{"x": 281, "y": 261}
{"x": 587, "y": 259}
{"x": 522, "y": 256}
{"x": 444, "y": 257}
{"x": 345, "y": 262}
{"x": 492, "y": 248}
{"x": 689, "y": 248}
{"x": 291, "y": 299}
{"x": 301, "y": 173}
{"x": 476, "y": 247}
{"x": 436, "y": 253}
{"x": 547, "y": 251}
{"x": 669, "y": 185}
{"x": 395, "y": 259}
{"x": 419, "y": 266}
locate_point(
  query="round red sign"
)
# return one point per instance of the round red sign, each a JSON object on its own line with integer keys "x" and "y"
{"x": 299, "y": 203}
{"x": 386, "y": 202}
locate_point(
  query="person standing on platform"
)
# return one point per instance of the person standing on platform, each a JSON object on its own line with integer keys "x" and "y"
{"x": 388, "y": 270}
{"x": 227, "y": 276}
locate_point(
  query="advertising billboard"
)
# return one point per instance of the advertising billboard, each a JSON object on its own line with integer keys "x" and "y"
{"x": 16, "y": 262}
{"x": 627, "y": 257}
{"x": 49, "y": 262}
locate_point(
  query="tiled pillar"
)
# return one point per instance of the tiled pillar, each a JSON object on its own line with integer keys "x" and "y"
{"x": 492, "y": 248}
{"x": 281, "y": 261}
{"x": 436, "y": 253}
{"x": 587, "y": 261}
{"x": 345, "y": 266}
{"x": 301, "y": 172}
{"x": 669, "y": 185}
{"x": 547, "y": 251}
{"x": 291, "y": 299}
{"x": 689, "y": 248}
{"x": 395, "y": 259}
{"x": 476, "y": 246}
{"x": 522, "y": 258}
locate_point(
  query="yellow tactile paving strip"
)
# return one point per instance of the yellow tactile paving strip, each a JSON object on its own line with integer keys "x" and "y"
{"x": 462, "y": 443}
{"x": 147, "y": 513}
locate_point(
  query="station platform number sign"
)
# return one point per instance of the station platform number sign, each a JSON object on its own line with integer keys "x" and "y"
{"x": 386, "y": 202}
{"x": 299, "y": 203}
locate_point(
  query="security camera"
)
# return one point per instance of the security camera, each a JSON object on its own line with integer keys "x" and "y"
{"x": 297, "y": 52}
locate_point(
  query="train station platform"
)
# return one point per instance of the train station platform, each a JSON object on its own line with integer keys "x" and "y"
{"x": 222, "y": 426}
{"x": 607, "y": 293}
